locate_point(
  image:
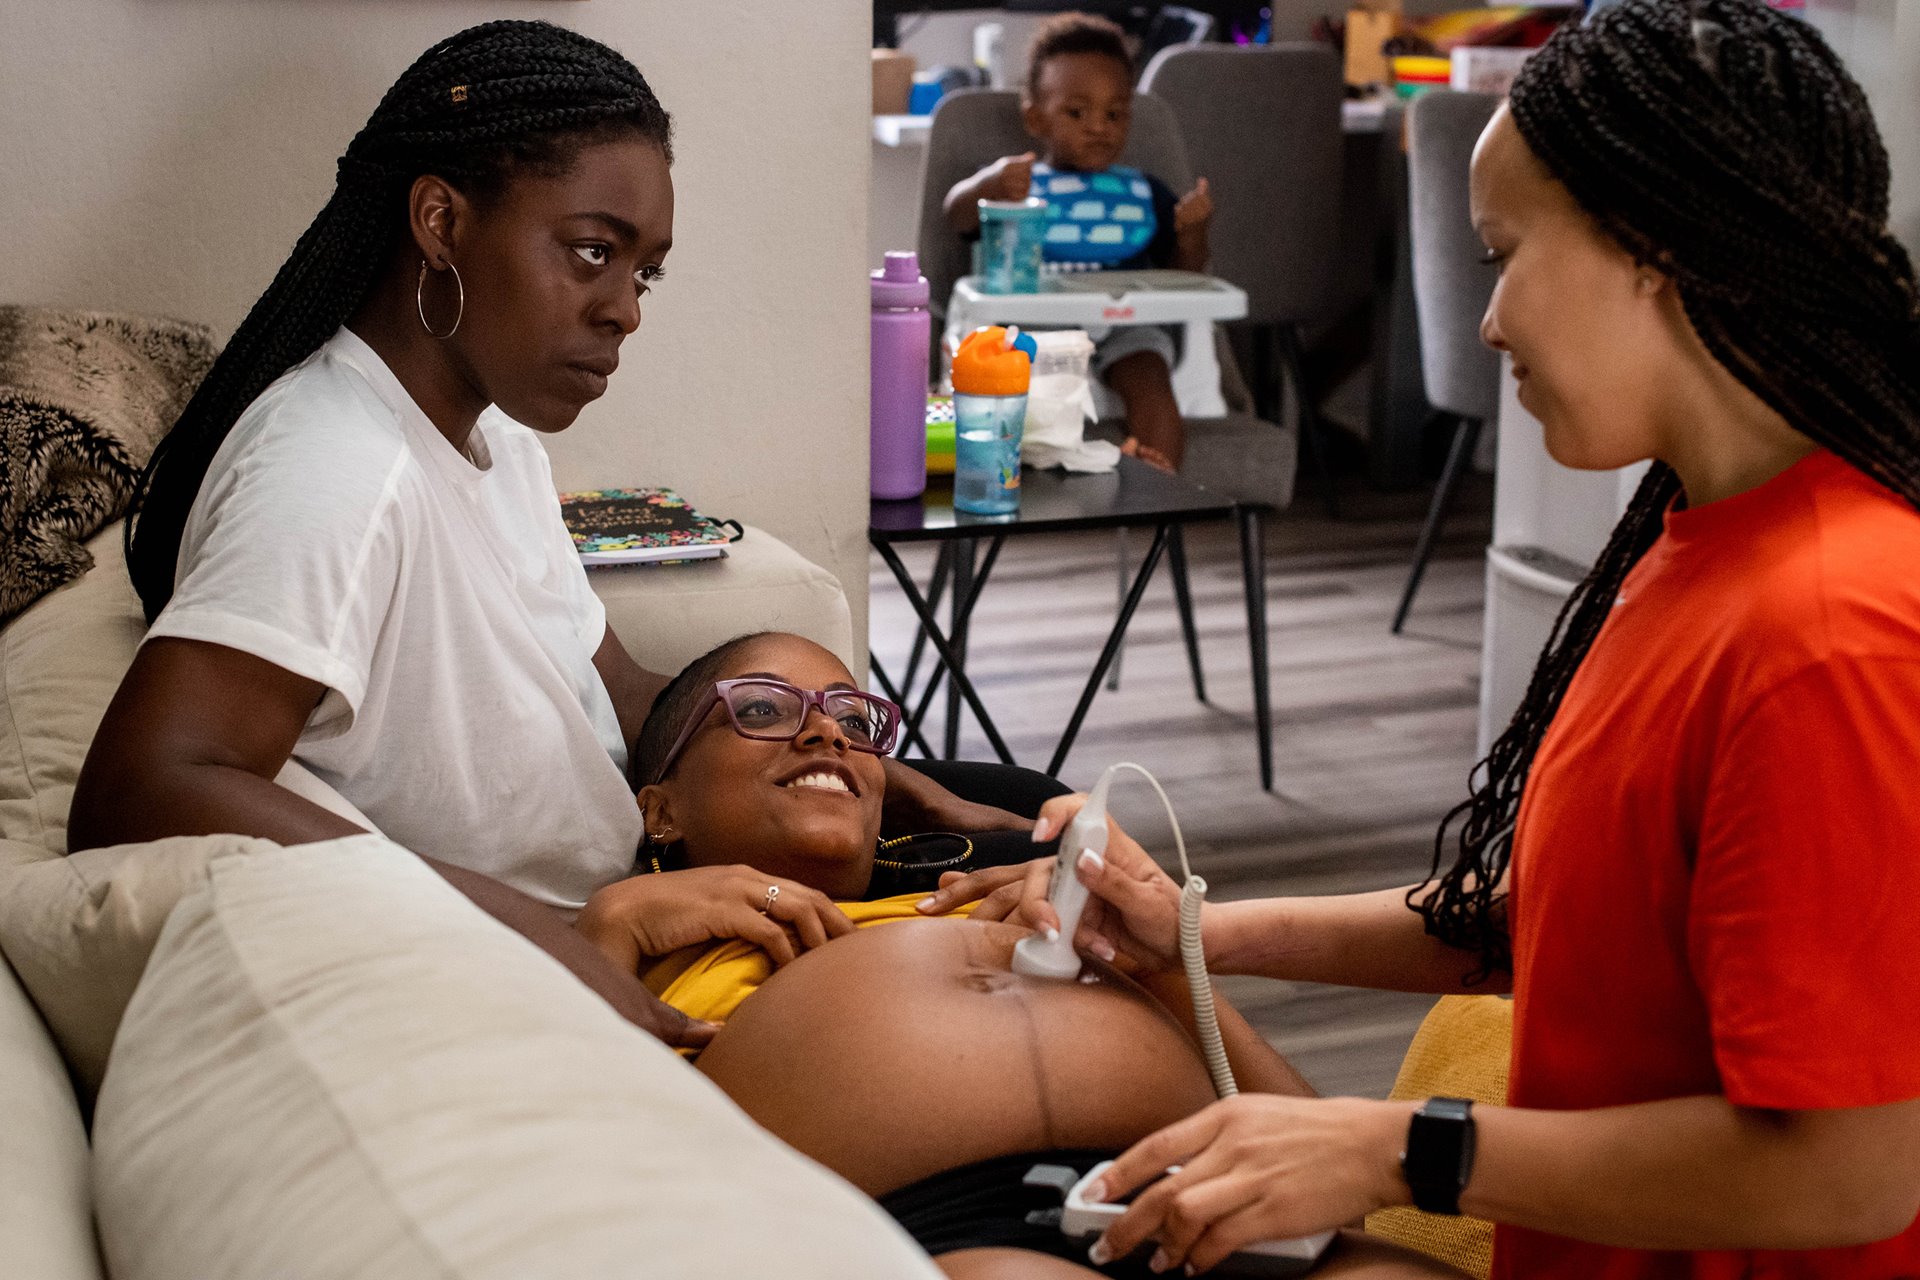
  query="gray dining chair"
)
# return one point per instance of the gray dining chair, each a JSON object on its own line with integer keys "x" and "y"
{"x": 1451, "y": 288}
{"x": 1242, "y": 455}
{"x": 1262, "y": 125}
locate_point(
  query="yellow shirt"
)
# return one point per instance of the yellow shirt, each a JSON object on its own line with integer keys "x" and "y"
{"x": 709, "y": 981}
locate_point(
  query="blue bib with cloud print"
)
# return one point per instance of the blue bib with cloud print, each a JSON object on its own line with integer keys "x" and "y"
{"x": 1100, "y": 218}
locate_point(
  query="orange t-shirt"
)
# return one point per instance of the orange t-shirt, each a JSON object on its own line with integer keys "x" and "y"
{"x": 1715, "y": 885}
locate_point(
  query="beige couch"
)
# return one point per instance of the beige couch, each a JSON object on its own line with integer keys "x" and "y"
{"x": 322, "y": 1061}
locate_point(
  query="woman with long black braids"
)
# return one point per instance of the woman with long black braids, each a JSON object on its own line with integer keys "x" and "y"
{"x": 1694, "y": 855}
{"x": 349, "y": 546}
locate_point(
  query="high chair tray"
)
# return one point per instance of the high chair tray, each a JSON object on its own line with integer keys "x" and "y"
{"x": 1097, "y": 299}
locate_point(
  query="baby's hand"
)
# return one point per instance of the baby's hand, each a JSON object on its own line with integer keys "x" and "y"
{"x": 1194, "y": 210}
{"x": 1009, "y": 177}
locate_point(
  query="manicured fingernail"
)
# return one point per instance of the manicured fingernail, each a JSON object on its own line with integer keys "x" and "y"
{"x": 1050, "y": 933}
{"x": 925, "y": 904}
{"x": 1159, "y": 1262}
{"x": 1192, "y": 1270}
{"x": 1102, "y": 948}
{"x": 1100, "y": 1255}
{"x": 1095, "y": 1192}
{"x": 1042, "y": 829}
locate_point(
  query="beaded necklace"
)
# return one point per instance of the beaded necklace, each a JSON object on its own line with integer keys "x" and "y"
{"x": 953, "y": 863}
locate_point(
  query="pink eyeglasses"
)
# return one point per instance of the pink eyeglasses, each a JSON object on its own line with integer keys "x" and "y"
{"x": 775, "y": 711}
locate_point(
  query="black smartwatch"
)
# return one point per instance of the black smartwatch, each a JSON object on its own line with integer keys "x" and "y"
{"x": 1439, "y": 1155}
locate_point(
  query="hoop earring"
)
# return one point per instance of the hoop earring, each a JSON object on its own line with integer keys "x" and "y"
{"x": 420, "y": 302}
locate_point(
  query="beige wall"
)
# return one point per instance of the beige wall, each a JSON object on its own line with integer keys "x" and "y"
{"x": 163, "y": 155}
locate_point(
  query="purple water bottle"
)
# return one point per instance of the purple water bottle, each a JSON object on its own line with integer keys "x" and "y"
{"x": 902, "y": 332}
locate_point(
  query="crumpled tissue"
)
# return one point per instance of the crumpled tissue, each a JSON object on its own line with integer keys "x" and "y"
{"x": 1059, "y": 405}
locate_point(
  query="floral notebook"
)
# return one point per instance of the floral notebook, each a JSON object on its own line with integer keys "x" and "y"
{"x": 642, "y": 526}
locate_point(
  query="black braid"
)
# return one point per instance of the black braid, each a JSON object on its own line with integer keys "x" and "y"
{"x": 1724, "y": 144}
{"x": 494, "y": 101}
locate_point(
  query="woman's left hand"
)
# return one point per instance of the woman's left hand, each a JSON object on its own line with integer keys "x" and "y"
{"x": 998, "y": 890}
{"x": 1256, "y": 1167}
{"x": 652, "y": 915}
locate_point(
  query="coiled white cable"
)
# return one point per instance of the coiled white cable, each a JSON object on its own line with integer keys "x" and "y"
{"x": 1193, "y": 957}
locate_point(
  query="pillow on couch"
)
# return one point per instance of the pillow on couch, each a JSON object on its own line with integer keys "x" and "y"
{"x": 79, "y": 930}
{"x": 60, "y": 664}
{"x": 84, "y": 397}
{"x": 46, "y": 1211}
{"x": 336, "y": 1066}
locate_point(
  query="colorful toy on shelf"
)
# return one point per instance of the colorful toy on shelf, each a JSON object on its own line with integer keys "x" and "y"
{"x": 1415, "y": 75}
{"x": 940, "y": 435}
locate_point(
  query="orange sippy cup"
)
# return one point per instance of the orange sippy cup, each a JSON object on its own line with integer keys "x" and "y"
{"x": 991, "y": 373}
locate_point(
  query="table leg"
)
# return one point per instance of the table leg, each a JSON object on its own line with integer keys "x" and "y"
{"x": 914, "y": 736}
{"x": 1183, "y": 596}
{"x": 1112, "y": 648}
{"x": 1120, "y": 585}
{"x": 1253, "y": 567}
{"x": 966, "y": 611}
{"x": 936, "y": 588}
{"x": 957, "y": 618}
{"x": 938, "y": 639}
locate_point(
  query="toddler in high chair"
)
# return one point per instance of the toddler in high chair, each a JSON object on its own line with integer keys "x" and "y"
{"x": 1077, "y": 105}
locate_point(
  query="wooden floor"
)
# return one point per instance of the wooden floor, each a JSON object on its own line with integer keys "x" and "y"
{"x": 1373, "y": 737}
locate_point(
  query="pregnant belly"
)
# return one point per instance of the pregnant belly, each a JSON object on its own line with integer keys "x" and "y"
{"x": 909, "y": 1048}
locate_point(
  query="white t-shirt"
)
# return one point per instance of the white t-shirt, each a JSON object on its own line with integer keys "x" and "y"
{"x": 340, "y": 536}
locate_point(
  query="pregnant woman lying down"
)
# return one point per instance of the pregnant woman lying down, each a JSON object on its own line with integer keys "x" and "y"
{"x": 908, "y": 1058}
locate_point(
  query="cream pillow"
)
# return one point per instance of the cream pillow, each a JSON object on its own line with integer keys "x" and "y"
{"x": 60, "y": 662}
{"x": 668, "y": 615}
{"x": 336, "y": 1066}
{"x": 78, "y": 931}
{"x": 46, "y": 1223}
{"x": 78, "y": 928}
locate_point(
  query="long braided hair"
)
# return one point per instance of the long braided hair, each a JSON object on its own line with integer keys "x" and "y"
{"x": 1723, "y": 144}
{"x": 477, "y": 109}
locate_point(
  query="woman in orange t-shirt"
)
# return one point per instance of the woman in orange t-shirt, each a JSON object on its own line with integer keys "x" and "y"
{"x": 1694, "y": 855}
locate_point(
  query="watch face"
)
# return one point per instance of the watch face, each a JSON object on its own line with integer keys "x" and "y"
{"x": 1439, "y": 1154}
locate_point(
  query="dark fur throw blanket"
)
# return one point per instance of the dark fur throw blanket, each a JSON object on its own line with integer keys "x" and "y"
{"x": 84, "y": 397}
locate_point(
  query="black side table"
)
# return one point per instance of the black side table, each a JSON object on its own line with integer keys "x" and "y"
{"x": 1133, "y": 496}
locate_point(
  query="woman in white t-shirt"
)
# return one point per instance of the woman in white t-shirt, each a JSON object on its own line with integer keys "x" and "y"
{"x": 349, "y": 546}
